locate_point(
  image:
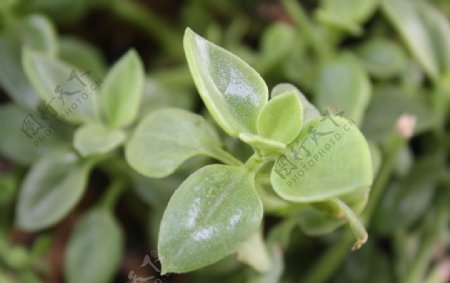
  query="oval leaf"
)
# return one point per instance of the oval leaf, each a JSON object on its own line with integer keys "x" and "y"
{"x": 343, "y": 84}
{"x": 167, "y": 138}
{"x": 35, "y": 32}
{"x": 52, "y": 187}
{"x": 95, "y": 248}
{"x": 208, "y": 216}
{"x": 281, "y": 119}
{"x": 329, "y": 158}
{"x": 405, "y": 16}
{"x": 233, "y": 92}
{"x": 309, "y": 111}
{"x": 121, "y": 92}
{"x": 67, "y": 90}
{"x": 95, "y": 138}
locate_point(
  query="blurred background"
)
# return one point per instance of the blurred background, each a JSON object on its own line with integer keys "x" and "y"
{"x": 374, "y": 59}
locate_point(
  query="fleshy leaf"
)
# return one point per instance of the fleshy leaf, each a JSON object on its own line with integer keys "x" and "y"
{"x": 233, "y": 92}
{"x": 329, "y": 158}
{"x": 345, "y": 14}
{"x": 208, "y": 216}
{"x": 95, "y": 138}
{"x": 35, "y": 32}
{"x": 281, "y": 119}
{"x": 405, "y": 16}
{"x": 52, "y": 187}
{"x": 345, "y": 85}
{"x": 95, "y": 249}
{"x": 166, "y": 138}
{"x": 121, "y": 92}
{"x": 310, "y": 112}
{"x": 67, "y": 90}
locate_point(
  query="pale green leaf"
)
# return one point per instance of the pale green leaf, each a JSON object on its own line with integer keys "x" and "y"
{"x": 83, "y": 55}
{"x": 95, "y": 139}
{"x": 50, "y": 190}
{"x": 310, "y": 112}
{"x": 95, "y": 249}
{"x": 166, "y": 138}
{"x": 208, "y": 216}
{"x": 329, "y": 158}
{"x": 281, "y": 119}
{"x": 232, "y": 91}
{"x": 21, "y": 145}
{"x": 35, "y": 32}
{"x": 346, "y": 14}
{"x": 343, "y": 85}
{"x": 382, "y": 58}
{"x": 405, "y": 16}
{"x": 67, "y": 90}
{"x": 121, "y": 92}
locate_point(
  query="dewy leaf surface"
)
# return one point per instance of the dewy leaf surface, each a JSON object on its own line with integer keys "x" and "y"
{"x": 212, "y": 212}
{"x": 233, "y": 92}
{"x": 167, "y": 138}
{"x": 329, "y": 158}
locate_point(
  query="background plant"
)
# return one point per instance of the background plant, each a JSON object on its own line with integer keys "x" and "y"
{"x": 362, "y": 59}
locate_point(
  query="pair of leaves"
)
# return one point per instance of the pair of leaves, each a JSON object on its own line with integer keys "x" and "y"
{"x": 76, "y": 98}
{"x": 236, "y": 96}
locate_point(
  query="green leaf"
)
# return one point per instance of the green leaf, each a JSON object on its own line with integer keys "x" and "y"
{"x": 280, "y": 35}
{"x": 343, "y": 84}
{"x": 121, "y": 92}
{"x": 35, "y": 32}
{"x": 95, "y": 249}
{"x": 83, "y": 55}
{"x": 329, "y": 158}
{"x": 382, "y": 58}
{"x": 309, "y": 111}
{"x": 22, "y": 146}
{"x": 346, "y": 14}
{"x": 405, "y": 16}
{"x": 63, "y": 87}
{"x": 388, "y": 104}
{"x": 95, "y": 139}
{"x": 50, "y": 190}
{"x": 281, "y": 119}
{"x": 166, "y": 138}
{"x": 208, "y": 216}
{"x": 232, "y": 91}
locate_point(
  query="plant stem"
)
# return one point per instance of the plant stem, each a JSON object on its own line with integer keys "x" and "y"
{"x": 110, "y": 198}
{"x": 393, "y": 147}
{"x": 331, "y": 260}
{"x": 169, "y": 38}
{"x": 225, "y": 157}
